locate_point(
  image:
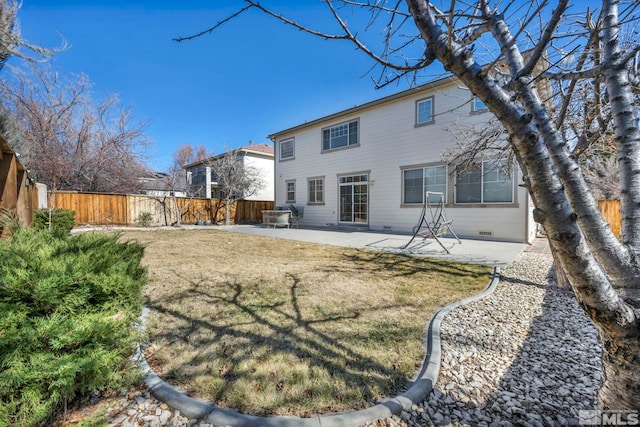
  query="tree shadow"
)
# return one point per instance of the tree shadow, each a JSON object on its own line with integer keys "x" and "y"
{"x": 404, "y": 265}
{"x": 221, "y": 348}
{"x": 555, "y": 372}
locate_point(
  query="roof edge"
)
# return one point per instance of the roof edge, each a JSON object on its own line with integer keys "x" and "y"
{"x": 243, "y": 150}
{"x": 407, "y": 92}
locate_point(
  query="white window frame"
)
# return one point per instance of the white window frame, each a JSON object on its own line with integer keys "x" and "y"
{"x": 477, "y": 106}
{"x": 483, "y": 174}
{"x": 421, "y": 102}
{"x": 285, "y": 142}
{"x": 425, "y": 186}
{"x": 351, "y": 141}
{"x": 312, "y": 194}
{"x": 287, "y": 191}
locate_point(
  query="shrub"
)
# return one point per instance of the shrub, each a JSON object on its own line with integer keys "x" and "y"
{"x": 68, "y": 310}
{"x": 144, "y": 219}
{"x": 9, "y": 219}
{"x": 62, "y": 220}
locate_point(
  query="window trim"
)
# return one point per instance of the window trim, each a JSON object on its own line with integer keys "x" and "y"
{"x": 344, "y": 147}
{"x": 367, "y": 182}
{"x": 417, "y": 111}
{"x": 513, "y": 201}
{"x": 323, "y": 191}
{"x": 286, "y": 190}
{"x": 422, "y": 167}
{"x": 474, "y": 106}
{"x": 292, "y": 140}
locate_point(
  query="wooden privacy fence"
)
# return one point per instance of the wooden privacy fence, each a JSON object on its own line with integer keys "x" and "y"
{"x": 128, "y": 209}
{"x": 610, "y": 210}
{"x": 18, "y": 194}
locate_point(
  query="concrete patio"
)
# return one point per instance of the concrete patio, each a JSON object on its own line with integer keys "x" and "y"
{"x": 498, "y": 254}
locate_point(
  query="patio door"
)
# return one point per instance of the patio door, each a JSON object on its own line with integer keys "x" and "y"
{"x": 354, "y": 199}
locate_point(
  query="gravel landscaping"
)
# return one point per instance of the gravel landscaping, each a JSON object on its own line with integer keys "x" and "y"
{"x": 525, "y": 356}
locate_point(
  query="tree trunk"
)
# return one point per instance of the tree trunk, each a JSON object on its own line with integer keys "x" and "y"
{"x": 603, "y": 274}
{"x": 620, "y": 384}
{"x": 561, "y": 276}
{"x": 227, "y": 220}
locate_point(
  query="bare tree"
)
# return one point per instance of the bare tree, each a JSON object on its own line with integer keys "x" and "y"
{"x": 68, "y": 141}
{"x": 11, "y": 41}
{"x": 602, "y": 176}
{"x": 177, "y": 176}
{"x": 234, "y": 178}
{"x": 506, "y": 53}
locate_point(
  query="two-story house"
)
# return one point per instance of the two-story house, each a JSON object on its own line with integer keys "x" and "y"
{"x": 259, "y": 157}
{"x": 369, "y": 167}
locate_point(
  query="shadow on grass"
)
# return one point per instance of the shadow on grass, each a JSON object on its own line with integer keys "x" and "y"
{"x": 226, "y": 350}
{"x": 403, "y": 265}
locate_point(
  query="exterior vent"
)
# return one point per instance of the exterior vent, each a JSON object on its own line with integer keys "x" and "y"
{"x": 386, "y": 227}
{"x": 485, "y": 233}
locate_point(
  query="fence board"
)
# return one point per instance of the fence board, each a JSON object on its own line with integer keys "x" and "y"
{"x": 250, "y": 211}
{"x": 121, "y": 209}
{"x": 610, "y": 210}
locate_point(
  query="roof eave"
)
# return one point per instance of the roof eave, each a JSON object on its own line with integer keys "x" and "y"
{"x": 409, "y": 92}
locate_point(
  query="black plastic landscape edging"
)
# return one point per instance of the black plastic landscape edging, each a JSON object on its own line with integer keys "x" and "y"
{"x": 417, "y": 389}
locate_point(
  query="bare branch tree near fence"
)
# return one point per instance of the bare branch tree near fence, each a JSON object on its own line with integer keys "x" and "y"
{"x": 234, "y": 179}
{"x": 507, "y": 53}
{"x": 71, "y": 142}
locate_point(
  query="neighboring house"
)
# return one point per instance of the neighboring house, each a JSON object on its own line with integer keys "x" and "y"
{"x": 368, "y": 167}
{"x": 162, "y": 184}
{"x": 259, "y": 157}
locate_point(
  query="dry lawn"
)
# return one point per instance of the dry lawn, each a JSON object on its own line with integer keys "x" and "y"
{"x": 272, "y": 326}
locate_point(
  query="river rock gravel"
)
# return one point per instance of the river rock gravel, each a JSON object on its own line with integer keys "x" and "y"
{"x": 525, "y": 356}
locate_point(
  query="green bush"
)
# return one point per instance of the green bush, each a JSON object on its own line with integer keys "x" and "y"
{"x": 68, "y": 308}
{"x": 62, "y": 221}
{"x": 145, "y": 219}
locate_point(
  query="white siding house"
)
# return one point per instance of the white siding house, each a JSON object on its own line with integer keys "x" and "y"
{"x": 258, "y": 157}
{"x": 369, "y": 166}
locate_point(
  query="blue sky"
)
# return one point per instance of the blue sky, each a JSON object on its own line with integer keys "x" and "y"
{"x": 252, "y": 77}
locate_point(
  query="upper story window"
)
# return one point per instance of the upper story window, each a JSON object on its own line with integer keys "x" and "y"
{"x": 287, "y": 149}
{"x": 424, "y": 111}
{"x": 417, "y": 181}
{"x": 339, "y": 136}
{"x": 477, "y": 106}
{"x": 488, "y": 182}
{"x": 198, "y": 175}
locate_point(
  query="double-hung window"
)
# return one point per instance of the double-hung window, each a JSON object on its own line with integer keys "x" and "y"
{"x": 424, "y": 111}
{"x": 315, "y": 195}
{"x": 488, "y": 182}
{"x": 287, "y": 149}
{"x": 340, "y": 136}
{"x": 291, "y": 191}
{"x": 417, "y": 181}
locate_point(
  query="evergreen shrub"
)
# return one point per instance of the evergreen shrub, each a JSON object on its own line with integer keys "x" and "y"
{"x": 62, "y": 221}
{"x": 145, "y": 219}
{"x": 68, "y": 311}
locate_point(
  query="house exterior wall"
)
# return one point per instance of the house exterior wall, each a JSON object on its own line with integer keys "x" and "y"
{"x": 265, "y": 168}
{"x": 201, "y": 176}
{"x": 389, "y": 140}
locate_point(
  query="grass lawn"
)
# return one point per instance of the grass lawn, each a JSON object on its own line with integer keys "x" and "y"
{"x": 270, "y": 326}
